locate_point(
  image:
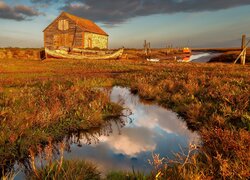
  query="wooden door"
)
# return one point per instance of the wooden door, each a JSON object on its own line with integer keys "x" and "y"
{"x": 68, "y": 40}
{"x": 89, "y": 42}
{"x": 57, "y": 41}
{"x": 63, "y": 40}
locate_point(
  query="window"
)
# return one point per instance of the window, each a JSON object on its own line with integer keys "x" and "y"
{"x": 63, "y": 25}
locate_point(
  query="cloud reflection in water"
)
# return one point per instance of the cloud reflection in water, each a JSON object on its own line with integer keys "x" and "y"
{"x": 154, "y": 129}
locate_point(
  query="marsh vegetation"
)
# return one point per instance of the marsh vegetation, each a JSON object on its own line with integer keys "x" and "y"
{"x": 42, "y": 101}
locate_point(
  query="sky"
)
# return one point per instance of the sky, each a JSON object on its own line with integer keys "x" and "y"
{"x": 196, "y": 23}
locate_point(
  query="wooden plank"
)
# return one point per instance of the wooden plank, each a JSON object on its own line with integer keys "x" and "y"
{"x": 64, "y": 28}
{"x": 241, "y": 52}
{"x": 65, "y": 55}
{"x": 243, "y": 45}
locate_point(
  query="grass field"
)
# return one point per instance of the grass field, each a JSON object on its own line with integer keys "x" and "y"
{"x": 44, "y": 100}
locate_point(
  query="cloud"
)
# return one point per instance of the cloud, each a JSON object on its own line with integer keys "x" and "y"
{"x": 113, "y": 12}
{"x": 18, "y": 12}
{"x": 134, "y": 138}
{"x": 40, "y": 1}
{"x": 25, "y": 10}
{"x": 45, "y": 1}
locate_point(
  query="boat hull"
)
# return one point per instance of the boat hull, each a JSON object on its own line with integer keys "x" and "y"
{"x": 187, "y": 50}
{"x": 153, "y": 60}
{"x": 60, "y": 54}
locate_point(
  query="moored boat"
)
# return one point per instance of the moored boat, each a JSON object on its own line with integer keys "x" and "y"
{"x": 186, "y": 50}
{"x": 153, "y": 60}
{"x": 62, "y": 54}
{"x": 184, "y": 59}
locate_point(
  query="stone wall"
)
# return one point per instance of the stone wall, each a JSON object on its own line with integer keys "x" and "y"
{"x": 97, "y": 41}
{"x": 16, "y": 53}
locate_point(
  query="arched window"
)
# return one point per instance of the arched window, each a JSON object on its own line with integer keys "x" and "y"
{"x": 63, "y": 25}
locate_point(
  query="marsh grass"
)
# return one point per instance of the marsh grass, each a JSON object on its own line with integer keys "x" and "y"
{"x": 9, "y": 175}
{"x": 42, "y": 100}
{"x": 126, "y": 176}
{"x": 214, "y": 100}
{"x": 60, "y": 169}
{"x": 70, "y": 170}
{"x": 32, "y": 113}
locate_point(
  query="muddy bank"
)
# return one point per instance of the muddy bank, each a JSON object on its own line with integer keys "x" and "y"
{"x": 218, "y": 50}
{"x": 229, "y": 57}
{"x": 162, "y": 54}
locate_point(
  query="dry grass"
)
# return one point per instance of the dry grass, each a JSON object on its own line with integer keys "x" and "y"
{"x": 49, "y": 168}
{"x": 46, "y": 99}
{"x": 231, "y": 56}
{"x": 213, "y": 99}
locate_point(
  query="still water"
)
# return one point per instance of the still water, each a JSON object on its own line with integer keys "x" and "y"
{"x": 128, "y": 143}
{"x": 201, "y": 57}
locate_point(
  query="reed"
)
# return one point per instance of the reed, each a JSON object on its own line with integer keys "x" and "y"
{"x": 61, "y": 169}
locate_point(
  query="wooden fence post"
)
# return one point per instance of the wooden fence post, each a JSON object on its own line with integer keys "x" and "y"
{"x": 243, "y": 48}
{"x": 145, "y": 47}
{"x": 149, "y": 48}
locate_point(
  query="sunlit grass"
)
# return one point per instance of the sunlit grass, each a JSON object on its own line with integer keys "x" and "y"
{"x": 40, "y": 100}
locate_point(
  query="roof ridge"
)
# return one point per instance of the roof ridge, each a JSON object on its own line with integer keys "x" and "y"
{"x": 91, "y": 23}
{"x": 86, "y": 24}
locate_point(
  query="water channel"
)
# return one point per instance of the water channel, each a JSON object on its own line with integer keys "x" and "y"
{"x": 200, "y": 57}
{"x": 127, "y": 144}
{"x": 130, "y": 143}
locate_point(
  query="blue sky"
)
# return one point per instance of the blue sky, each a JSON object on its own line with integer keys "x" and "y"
{"x": 202, "y": 23}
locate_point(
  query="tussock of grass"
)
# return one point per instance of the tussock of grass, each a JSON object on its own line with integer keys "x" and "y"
{"x": 126, "y": 176}
{"x": 68, "y": 170}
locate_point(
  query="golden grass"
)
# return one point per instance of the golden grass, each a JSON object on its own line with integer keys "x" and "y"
{"x": 46, "y": 99}
{"x": 215, "y": 100}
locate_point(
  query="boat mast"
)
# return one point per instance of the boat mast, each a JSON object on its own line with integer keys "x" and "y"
{"x": 73, "y": 42}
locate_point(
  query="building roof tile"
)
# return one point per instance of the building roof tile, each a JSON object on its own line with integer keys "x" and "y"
{"x": 85, "y": 24}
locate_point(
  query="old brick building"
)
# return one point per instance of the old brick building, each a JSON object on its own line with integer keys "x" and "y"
{"x": 71, "y": 31}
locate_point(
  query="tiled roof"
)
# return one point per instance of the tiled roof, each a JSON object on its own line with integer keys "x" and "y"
{"x": 86, "y": 24}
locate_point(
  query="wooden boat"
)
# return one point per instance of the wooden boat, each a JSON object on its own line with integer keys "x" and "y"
{"x": 184, "y": 59}
{"x": 186, "y": 50}
{"x": 62, "y": 54}
{"x": 91, "y": 51}
{"x": 153, "y": 60}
